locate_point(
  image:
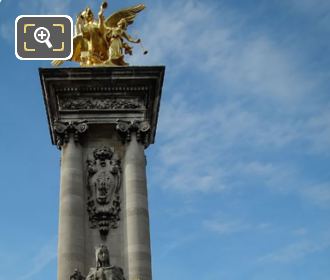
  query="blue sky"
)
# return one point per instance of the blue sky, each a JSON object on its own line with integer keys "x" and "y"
{"x": 239, "y": 181}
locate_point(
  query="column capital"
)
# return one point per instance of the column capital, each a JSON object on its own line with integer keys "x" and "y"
{"x": 63, "y": 131}
{"x": 140, "y": 128}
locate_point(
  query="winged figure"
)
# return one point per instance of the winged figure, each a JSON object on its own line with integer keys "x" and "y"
{"x": 103, "y": 42}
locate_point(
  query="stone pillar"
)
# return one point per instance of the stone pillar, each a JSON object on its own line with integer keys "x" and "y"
{"x": 114, "y": 216}
{"x": 138, "y": 253}
{"x": 71, "y": 239}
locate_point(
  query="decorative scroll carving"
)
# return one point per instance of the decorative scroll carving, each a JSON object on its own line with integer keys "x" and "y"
{"x": 63, "y": 130}
{"x": 89, "y": 103}
{"x": 104, "y": 178}
{"x": 140, "y": 128}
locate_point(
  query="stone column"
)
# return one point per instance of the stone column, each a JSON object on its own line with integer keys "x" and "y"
{"x": 138, "y": 254}
{"x": 71, "y": 239}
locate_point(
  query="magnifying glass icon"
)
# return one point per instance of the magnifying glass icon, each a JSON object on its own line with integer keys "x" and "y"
{"x": 41, "y": 35}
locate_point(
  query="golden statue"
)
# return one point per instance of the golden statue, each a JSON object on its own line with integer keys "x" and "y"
{"x": 102, "y": 42}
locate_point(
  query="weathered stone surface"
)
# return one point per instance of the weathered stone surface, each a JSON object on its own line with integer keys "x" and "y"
{"x": 71, "y": 237}
{"x": 136, "y": 205}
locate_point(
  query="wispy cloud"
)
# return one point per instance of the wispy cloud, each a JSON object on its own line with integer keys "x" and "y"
{"x": 312, "y": 6}
{"x": 318, "y": 194}
{"x": 181, "y": 150}
{"x": 300, "y": 231}
{"x": 201, "y": 147}
{"x": 7, "y": 28}
{"x": 255, "y": 87}
{"x": 226, "y": 226}
{"x": 45, "y": 255}
{"x": 169, "y": 247}
{"x": 253, "y": 63}
{"x": 297, "y": 250}
{"x": 317, "y": 131}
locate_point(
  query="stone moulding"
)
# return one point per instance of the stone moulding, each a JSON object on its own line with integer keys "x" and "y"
{"x": 113, "y": 90}
{"x": 103, "y": 185}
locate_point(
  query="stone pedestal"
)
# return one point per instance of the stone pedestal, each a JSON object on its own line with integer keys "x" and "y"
{"x": 102, "y": 119}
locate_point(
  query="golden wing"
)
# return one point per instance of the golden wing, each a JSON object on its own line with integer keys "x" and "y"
{"x": 79, "y": 45}
{"x": 129, "y": 14}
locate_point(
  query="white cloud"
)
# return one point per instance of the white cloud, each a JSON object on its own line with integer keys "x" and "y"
{"x": 260, "y": 66}
{"x": 256, "y": 90}
{"x": 170, "y": 36}
{"x": 201, "y": 146}
{"x": 183, "y": 133}
{"x": 192, "y": 35}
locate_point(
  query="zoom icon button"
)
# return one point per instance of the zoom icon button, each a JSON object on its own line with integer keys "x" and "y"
{"x": 43, "y": 37}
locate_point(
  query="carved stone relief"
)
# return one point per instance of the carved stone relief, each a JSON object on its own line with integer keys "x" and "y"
{"x": 93, "y": 103}
{"x": 104, "y": 180}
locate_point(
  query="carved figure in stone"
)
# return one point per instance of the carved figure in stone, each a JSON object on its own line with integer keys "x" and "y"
{"x": 104, "y": 179}
{"x": 101, "y": 42}
{"x": 104, "y": 270}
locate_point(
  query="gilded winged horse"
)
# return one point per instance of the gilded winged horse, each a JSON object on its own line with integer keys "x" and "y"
{"x": 102, "y": 42}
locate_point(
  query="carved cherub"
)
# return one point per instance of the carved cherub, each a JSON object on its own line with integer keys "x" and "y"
{"x": 101, "y": 42}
